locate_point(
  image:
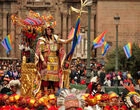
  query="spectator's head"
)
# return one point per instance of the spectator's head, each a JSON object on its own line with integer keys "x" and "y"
{"x": 4, "y": 68}
{"x": 6, "y": 79}
{"x": 52, "y": 99}
{"x": 108, "y": 78}
{"x": 113, "y": 97}
{"x": 129, "y": 76}
{"x": 98, "y": 87}
{"x": 14, "y": 85}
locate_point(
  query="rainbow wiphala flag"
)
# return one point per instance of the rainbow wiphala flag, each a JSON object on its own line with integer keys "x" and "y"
{"x": 128, "y": 50}
{"x": 75, "y": 39}
{"x": 7, "y": 43}
{"x": 105, "y": 48}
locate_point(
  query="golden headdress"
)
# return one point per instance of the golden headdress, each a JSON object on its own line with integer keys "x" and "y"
{"x": 49, "y": 21}
{"x": 34, "y": 20}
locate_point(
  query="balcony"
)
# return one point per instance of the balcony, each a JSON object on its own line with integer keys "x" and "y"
{"x": 8, "y": 0}
{"x": 38, "y": 4}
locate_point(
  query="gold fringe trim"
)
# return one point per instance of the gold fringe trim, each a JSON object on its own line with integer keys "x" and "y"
{"x": 50, "y": 77}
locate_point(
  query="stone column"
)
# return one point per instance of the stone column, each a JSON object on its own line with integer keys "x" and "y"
{"x": 12, "y": 33}
{"x": 85, "y": 44}
{"x": 92, "y": 26}
{"x": 4, "y": 32}
{"x": 64, "y": 29}
{"x": 93, "y": 30}
{"x": 69, "y": 29}
{"x": 4, "y": 23}
{"x": 15, "y": 32}
{"x": 65, "y": 25}
{"x": 22, "y": 13}
{"x": 1, "y": 32}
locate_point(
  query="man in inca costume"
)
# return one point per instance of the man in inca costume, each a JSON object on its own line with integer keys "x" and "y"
{"x": 49, "y": 58}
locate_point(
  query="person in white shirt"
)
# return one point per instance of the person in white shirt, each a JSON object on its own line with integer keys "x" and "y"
{"x": 107, "y": 82}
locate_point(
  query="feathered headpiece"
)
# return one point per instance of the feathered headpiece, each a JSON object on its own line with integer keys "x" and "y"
{"x": 132, "y": 97}
{"x": 70, "y": 98}
{"x": 49, "y": 21}
{"x": 34, "y": 19}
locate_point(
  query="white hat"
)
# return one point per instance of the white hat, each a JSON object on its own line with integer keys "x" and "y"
{"x": 15, "y": 83}
{"x": 7, "y": 76}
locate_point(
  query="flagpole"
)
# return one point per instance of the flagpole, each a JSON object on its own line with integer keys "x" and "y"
{"x": 116, "y": 67}
{"x": 117, "y": 19}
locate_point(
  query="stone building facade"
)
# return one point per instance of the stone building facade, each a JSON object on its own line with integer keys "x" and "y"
{"x": 102, "y": 18}
{"x": 129, "y": 25}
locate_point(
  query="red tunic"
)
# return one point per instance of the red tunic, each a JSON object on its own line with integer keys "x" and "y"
{"x": 53, "y": 108}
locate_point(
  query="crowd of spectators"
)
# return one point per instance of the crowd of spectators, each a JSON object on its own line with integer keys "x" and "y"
{"x": 9, "y": 71}
{"x": 78, "y": 71}
{"x": 78, "y": 74}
